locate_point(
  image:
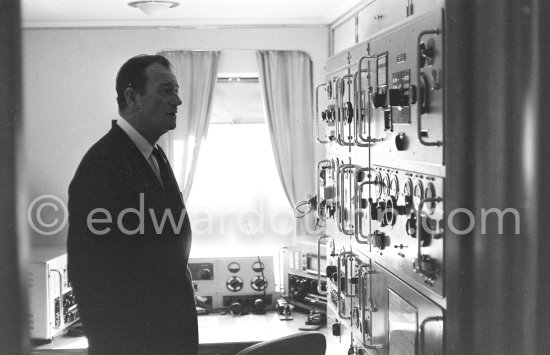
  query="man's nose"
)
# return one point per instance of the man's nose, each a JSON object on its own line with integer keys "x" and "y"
{"x": 178, "y": 101}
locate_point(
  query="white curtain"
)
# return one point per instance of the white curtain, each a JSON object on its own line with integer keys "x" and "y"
{"x": 196, "y": 72}
{"x": 286, "y": 82}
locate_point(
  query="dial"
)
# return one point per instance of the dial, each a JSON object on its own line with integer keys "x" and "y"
{"x": 258, "y": 283}
{"x": 258, "y": 266}
{"x": 394, "y": 186}
{"x": 378, "y": 187}
{"x": 418, "y": 193}
{"x": 429, "y": 192}
{"x": 408, "y": 192}
{"x": 234, "y": 284}
{"x": 385, "y": 185}
{"x": 234, "y": 267}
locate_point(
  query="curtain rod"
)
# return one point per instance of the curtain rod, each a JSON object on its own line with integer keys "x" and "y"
{"x": 240, "y": 79}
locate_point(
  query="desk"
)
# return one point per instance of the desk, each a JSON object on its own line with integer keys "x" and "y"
{"x": 221, "y": 334}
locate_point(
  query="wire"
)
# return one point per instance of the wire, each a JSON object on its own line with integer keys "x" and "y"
{"x": 311, "y": 204}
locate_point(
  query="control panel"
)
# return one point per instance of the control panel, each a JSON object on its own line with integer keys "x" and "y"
{"x": 305, "y": 284}
{"x": 406, "y": 92}
{"x": 225, "y": 282}
{"x": 52, "y": 304}
{"x": 382, "y": 189}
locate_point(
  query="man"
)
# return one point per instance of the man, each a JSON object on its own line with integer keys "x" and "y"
{"x": 129, "y": 236}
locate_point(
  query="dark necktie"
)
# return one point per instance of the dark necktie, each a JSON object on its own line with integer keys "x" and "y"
{"x": 166, "y": 174}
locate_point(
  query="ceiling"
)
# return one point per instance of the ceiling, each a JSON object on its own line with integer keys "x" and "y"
{"x": 108, "y": 13}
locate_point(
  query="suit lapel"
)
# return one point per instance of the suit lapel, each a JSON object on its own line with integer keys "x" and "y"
{"x": 140, "y": 170}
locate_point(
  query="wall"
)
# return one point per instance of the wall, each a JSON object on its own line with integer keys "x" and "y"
{"x": 69, "y": 95}
{"x": 372, "y": 16}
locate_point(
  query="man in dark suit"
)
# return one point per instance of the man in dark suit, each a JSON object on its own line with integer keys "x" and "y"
{"x": 129, "y": 235}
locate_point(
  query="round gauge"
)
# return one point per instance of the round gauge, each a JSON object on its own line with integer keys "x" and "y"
{"x": 389, "y": 211}
{"x": 258, "y": 266}
{"x": 329, "y": 89}
{"x": 378, "y": 187}
{"x": 386, "y": 185}
{"x": 429, "y": 192}
{"x": 234, "y": 267}
{"x": 394, "y": 186}
{"x": 234, "y": 284}
{"x": 418, "y": 193}
{"x": 408, "y": 192}
{"x": 258, "y": 283}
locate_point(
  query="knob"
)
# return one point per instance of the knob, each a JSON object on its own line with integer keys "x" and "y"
{"x": 331, "y": 272}
{"x": 336, "y": 329}
{"x": 206, "y": 274}
{"x": 374, "y": 210}
{"x": 427, "y": 266}
{"x": 378, "y": 239}
{"x": 401, "y": 141}
{"x": 259, "y": 306}
{"x": 328, "y": 115}
{"x": 331, "y": 210}
{"x": 411, "y": 225}
{"x": 237, "y": 309}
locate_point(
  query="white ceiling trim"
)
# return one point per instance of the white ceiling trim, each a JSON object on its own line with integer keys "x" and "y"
{"x": 202, "y": 23}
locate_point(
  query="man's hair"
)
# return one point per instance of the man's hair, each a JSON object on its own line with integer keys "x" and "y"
{"x": 132, "y": 74}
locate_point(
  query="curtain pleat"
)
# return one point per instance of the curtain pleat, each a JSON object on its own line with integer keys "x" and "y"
{"x": 286, "y": 83}
{"x": 196, "y": 72}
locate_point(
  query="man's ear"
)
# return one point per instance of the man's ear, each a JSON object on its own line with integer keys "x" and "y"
{"x": 131, "y": 97}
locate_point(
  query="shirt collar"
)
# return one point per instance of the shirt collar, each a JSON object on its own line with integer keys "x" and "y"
{"x": 141, "y": 143}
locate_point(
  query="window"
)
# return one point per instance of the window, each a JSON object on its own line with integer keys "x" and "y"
{"x": 237, "y": 204}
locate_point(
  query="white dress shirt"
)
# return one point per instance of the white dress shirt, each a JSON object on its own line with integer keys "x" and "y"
{"x": 142, "y": 144}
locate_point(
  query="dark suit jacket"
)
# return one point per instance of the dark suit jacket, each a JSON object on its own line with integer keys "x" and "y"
{"x": 129, "y": 275}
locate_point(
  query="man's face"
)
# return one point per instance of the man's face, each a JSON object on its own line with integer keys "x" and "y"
{"x": 159, "y": 104}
